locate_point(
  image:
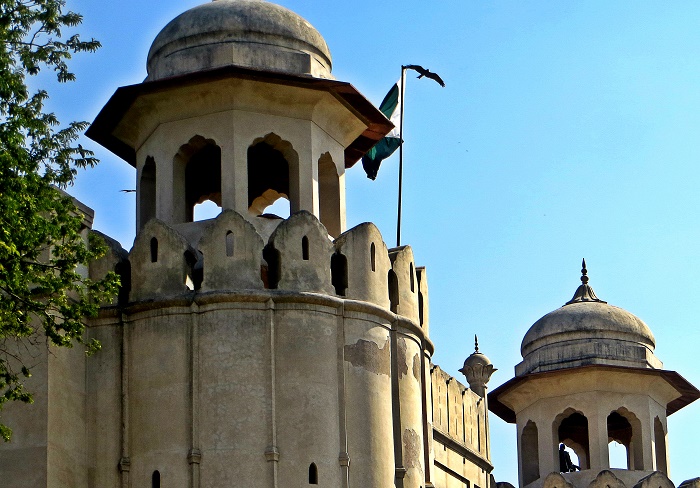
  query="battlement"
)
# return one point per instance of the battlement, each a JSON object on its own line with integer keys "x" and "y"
{"x": 229, "y": 253}
{"x": 459, "y": 414}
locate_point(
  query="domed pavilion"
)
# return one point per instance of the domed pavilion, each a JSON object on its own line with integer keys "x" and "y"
{"x": 589, "y": 377}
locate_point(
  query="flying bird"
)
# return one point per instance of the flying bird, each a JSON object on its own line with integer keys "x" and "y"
{"x": 127, "y": 191}
{"x": 425, "y": 72}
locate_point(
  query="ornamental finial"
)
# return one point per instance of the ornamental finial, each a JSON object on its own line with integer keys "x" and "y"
{"x": 584, "y": 293}
{"x": 476, "y": 343}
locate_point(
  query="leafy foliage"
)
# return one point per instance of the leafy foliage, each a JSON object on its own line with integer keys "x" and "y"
{"x": 44, "y": 299}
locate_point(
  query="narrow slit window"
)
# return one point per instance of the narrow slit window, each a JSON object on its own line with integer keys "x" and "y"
{"x": 393, "y": 291}
{"x": 154, "y": 250}
{"x": 411, "y": 279}
{"x": 229, "y": 243}
{"x": 313, "y": 474}
{"x": 339, "y": 273}
{"x": 372, "y": 257}
{"x": 305, "y": 248}
{"x": 155, "y": 479}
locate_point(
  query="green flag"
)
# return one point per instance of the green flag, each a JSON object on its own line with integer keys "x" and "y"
{"x": 391, "y": 108}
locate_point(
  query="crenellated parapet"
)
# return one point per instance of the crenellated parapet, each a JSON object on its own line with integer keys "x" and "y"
{"x": 232, "y": 250}
{"x": 228, "y": 254}
{"x": 460, "y": 429}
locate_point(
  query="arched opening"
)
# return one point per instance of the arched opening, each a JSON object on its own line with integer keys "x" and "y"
{"x": 155, "y": 479}
{"x": 339, "y": 273}
{"x": 271, "y": 272}
{"x": 329, "y": 195}
{"x": 229, "y": 244}
{"x": 624, "y": 440}
{"x": 197, "y": 176}
{"x": 530, "y": 454}
{"x": 154, "y": 250}
{"x": 147, "y": 192}
{"x": 194, "y": 271}
{"x": 660, "y": 446}
{"x": 372, "y": 257}
{"x": 123, "y": 269}
{"x": 393, "y": 282}
{"x": 571, "y": 429}
{"x": 278, "y": 208}
{"x": 273, "y": 173}
{"x": 313, "y": 474}
{"x": 205, "y": 210}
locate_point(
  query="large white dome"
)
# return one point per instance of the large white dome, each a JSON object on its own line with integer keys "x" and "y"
{"x": 587, "y": 330}
{"x": 248, "y": 33}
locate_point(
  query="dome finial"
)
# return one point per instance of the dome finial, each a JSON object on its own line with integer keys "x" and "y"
{"x": 584, "y": 293}
{"x": 476, "y": 343}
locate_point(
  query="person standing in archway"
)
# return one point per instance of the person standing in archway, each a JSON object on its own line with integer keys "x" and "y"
{"x": 565, "y": 464}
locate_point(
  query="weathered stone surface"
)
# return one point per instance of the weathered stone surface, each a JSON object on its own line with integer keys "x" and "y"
{"x": 556, "y": 480}
{"x": 249, "y": 33}
{"x": 161, "y": 263}
{"x": 232, "y": 254}
{"x": 691, "y": 483}
{"x": 304, "y": 254}
{"x": 369, "y": 356}
{"x": 606, "y": 479}
{"x": 368, "y": 263}
{"x": 655, "y": 480}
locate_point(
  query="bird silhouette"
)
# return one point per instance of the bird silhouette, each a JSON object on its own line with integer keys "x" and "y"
{"x": 425, "y": 72}
{"x": 127, "y": 191}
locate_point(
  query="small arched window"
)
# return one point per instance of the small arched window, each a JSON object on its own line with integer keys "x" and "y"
{"x": 305, "y": 248}
{"x": 393, "y": 283}
{"x": 229, "y": 243}
{"x": 313, "y": 474}
{"x": 339, "y": 273}
{"x": 372, "y": 257}
{"x": 154, "y": 250}
{"x": 155, "y": 479}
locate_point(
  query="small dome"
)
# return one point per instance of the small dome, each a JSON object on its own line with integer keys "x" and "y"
{"x": 585, "y": 331}
{"x": 476, "y": 359}
{"x": 587, "y": 321}
{"x": 478, "y": 369}
{"x": 248, "y": 33}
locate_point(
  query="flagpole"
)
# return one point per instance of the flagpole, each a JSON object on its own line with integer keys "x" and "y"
{"x": 401, "y": 97}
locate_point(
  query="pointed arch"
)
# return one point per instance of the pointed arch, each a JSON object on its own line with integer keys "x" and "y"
{"x": 571, "y": 429}
{"x": 625, "y": 428}
{"x": 273, "y": 173}
{"x": 313, "y": 474}
{"x": 339, "y": 273}
{"x": 660, "y": 446}
{"x": 147, "y": 192}
{"x": 329, "y": 195}
{"x": 530, "y": 454}
{"x": 196, "y": 176}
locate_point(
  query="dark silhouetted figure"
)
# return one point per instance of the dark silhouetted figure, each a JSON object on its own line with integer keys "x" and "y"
{"x": 565, "y": 464}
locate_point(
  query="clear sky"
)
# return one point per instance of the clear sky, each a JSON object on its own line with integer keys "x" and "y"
{"x": 566, "y": 130}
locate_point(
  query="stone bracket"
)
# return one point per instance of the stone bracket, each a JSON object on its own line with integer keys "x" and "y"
{"x": 194, "y": 456}
{"x": 272, "y": 454}
{"x": 124, "y": 465}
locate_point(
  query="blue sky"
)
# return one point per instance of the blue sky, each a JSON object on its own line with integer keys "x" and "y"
{"x": 566, "y": 130}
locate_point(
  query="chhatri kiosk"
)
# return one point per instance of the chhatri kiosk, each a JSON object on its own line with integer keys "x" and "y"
{"x": 589, "y": 377}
